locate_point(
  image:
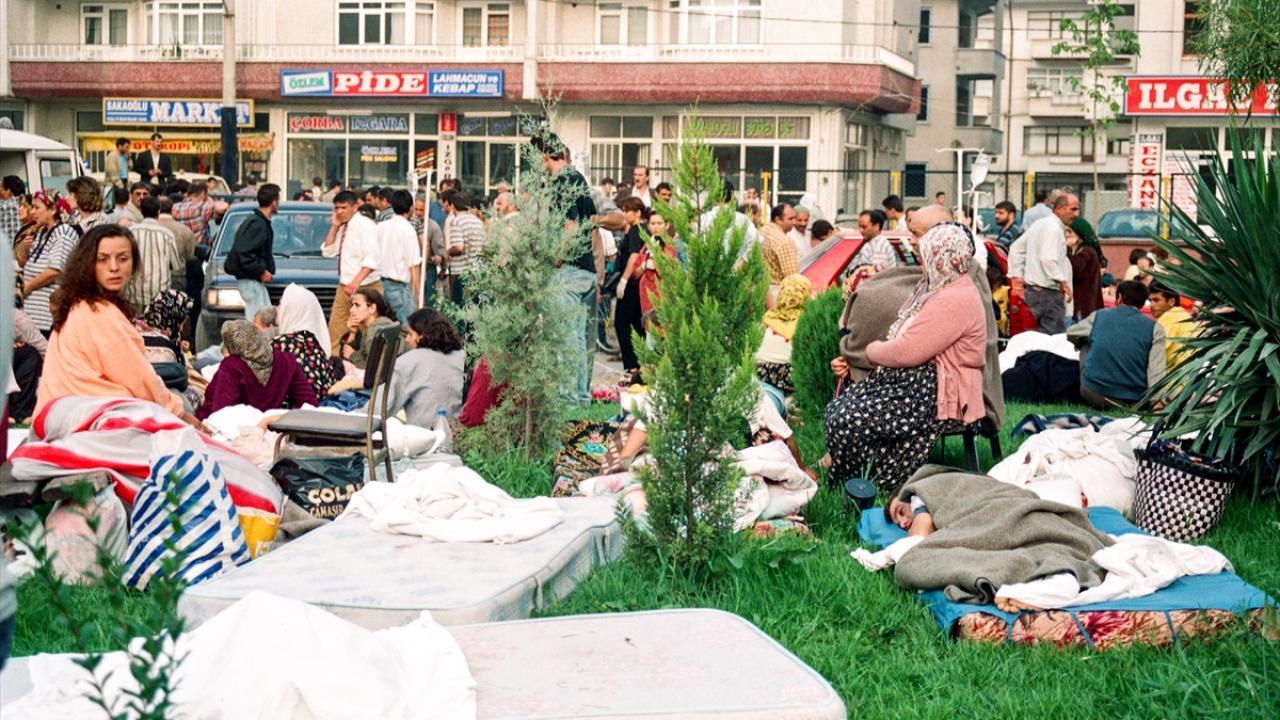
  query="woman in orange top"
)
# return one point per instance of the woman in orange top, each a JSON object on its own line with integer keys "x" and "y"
{"x": 95, "y": 350}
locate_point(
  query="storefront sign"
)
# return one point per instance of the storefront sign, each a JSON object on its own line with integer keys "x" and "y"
{"x": 183, "y": 146}
{"x": 448, "y": 145}
{"x": 391, "y": 83}
{"x": 466, "y": 83}
{"x": 379, "y": 123}
{"x": 1144, "y": 170}
{"x": 378, "y": 154}
{"x": 1193, "y": 96}
{"x": 316, "y": 123}
{"x": 186, "y": 113}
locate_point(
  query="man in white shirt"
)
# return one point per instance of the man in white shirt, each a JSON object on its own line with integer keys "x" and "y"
{"x": 1039, "y": 268}
{"x": 401, "y": 265}
{"x": 1041, "y": 210}
{"x": 799, "y": 232}
{"x": 353, "y": 239}
{"x": 876, "y": 251}
{"x": 640, "y": 185}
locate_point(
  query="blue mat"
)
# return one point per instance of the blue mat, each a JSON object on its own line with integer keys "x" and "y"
{"x": 1224, "y": 591}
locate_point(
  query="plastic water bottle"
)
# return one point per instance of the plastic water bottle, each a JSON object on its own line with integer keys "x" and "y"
{"x": 444, "y": 435}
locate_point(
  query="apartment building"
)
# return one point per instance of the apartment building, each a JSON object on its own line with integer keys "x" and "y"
{"x": 1172, "y": 117}
{"x": 811, "y": 92}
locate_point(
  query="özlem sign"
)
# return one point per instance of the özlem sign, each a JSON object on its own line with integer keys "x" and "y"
{"x": 1193, "y": 96}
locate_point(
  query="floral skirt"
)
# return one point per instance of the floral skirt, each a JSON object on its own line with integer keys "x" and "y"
{"x": 777, "y": 375}
{"x": 883, "y": 427}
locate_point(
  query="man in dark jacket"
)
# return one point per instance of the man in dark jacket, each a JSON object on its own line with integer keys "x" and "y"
{"x": 154, "y": 166}
{"x": 251, "y": 260}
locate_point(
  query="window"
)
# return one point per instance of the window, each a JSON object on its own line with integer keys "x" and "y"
{"x": 371, "y": 23}
{"x": 719, "y": 22}
{"x": 15, "y": 117}
{"x": 975, "y": 100}
{"x": 1055, "y": 83}
{"x": 1192, "y": 26}
{"x": 1054, "y": 140}
{"x": 105, "y": 24}
{"x": 1191, "y": 138}
{"x": 923, "y": 115}
{"x": 486, "y": 25}
{"x": 926, "y": 17}
{"x": 424, "y": 25}
{"x": 914, "y": 180}
{"x": 1046, "y": 24}
{"x": 620, "y": 24}
{"x": 618, "y": 144}
{"x": 190, "y": 24}
{"x": 1118, "y": 140}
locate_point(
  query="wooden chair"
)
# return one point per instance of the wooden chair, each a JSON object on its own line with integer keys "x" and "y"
{"x": 316, "y": 428}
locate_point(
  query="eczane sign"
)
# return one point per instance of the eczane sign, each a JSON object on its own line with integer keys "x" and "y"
{"x": 1183, "y": 96}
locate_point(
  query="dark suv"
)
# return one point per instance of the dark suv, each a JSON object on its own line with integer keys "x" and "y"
{"x": 300, "y": 230}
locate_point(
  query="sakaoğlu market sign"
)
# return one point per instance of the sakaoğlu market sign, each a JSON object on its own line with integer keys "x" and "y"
{"x": 392, "y": 83}
{"x": 179, "y": 113}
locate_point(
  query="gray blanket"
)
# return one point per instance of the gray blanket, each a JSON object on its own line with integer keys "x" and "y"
{"x": 989, "y": 534}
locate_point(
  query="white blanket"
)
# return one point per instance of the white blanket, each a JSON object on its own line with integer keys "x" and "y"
{"x": 270, "y": 657}
{"x": 1099, "y": 465}
{"x": 1026, "y": 342}
{"x": 1136, "y": 566}
{"x": 451, "y": 504}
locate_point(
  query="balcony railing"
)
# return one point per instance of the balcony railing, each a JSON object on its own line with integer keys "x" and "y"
{"x": 851, "y": 54}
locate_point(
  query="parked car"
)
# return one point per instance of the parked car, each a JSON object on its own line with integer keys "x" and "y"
{"x": 300, "y": 229}
{"x": 1121, "y": 231}
{"x": 43, "y": 164}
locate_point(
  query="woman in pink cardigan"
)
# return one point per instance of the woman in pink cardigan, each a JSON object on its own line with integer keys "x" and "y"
{"x": 928, "y": 374}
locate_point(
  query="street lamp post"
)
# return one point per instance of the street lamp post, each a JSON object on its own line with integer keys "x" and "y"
{"x": 960, "y": 170}
{"x": 230, "y": 141}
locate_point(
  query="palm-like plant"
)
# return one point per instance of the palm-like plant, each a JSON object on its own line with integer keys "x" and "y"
{"x": 1228, "y": 389}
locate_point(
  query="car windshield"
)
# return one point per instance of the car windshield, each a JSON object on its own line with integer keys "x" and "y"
{"x": 1128, "y": 223}
{"x": 298, "y": 233}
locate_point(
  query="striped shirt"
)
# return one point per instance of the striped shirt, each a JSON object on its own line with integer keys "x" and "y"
{"x": 49, "y": 251}
{"x": 160, "y": 261}
{"x": 466, "y": 230}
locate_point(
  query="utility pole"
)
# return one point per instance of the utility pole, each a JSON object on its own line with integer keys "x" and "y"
{"x": 230, "y": 141}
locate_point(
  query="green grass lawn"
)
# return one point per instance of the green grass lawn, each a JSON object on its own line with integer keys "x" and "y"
{"x": 876, "y": 644}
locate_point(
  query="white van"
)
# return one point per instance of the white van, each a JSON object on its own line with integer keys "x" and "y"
{"x": 43, "y": 164}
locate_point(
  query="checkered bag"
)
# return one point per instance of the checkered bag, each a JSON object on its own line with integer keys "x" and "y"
{"x": 1180, "y": 495}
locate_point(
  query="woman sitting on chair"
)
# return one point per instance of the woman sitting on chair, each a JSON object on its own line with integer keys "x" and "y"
{"x": 95, "y": 349}
{"x": 428, "y": 378}
{"x": 928, "y": 373}
{"x": 370, "y": 312}
{"x": 254, "y": 373}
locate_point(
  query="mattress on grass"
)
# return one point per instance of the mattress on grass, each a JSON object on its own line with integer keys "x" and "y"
{"x": 630, "y": 666}
{"x": 1193, "y": 606}
{"x": 378, "y": 580}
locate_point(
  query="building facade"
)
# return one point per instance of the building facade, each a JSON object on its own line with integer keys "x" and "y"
{"x": 806, "y": 93}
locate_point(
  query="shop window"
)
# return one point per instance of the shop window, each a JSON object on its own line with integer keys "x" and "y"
{"x": 620, "y": 24}
{"x": 926, "y": 18}
{"x": 914, "y": 180}
{"x": 1192, "y": 27}
{"x": 923, "y": 114}
{"x": 719, "y": 22}
{"x": 1191, "y": 138}
{"x": 487, "y": 25}
{"x": 618, "y": 144}
{"x": 104, "y": 24}
{"x": 189, "y": 24}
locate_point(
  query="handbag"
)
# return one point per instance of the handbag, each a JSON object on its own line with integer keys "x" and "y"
{"x": 1180, "y": 494}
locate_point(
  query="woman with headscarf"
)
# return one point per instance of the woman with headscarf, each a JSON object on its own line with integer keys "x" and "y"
{"x": 303, "y": 333}
{"x": 254, "y": 373}
{"x": 928, "y": 372}
{"x": 1085, "y": 255}
{"x": 773, "y": 357}
{"x": 52, "y": 245}
{"x": 166, "y": 313}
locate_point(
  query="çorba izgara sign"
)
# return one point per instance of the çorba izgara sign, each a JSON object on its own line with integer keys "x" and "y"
{"x": 1172, "y": 96}
{"x": 178, "y": 113}
{"x": 392, "y": 83}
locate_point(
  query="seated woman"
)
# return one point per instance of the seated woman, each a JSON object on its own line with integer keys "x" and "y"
{"x": 254, "y": 373}
{"x": 428, "y": 378}
{"x": 95, "y": 349}
{"x": 927, "y": 375}
{"x": 773, "y": 357}
{"x": 370, "y": 312}
{"x": 303, "y": 332}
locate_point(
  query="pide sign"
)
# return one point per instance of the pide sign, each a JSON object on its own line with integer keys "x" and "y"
{"x": 391, "y": 83}
{"x": 1181, "y": 96}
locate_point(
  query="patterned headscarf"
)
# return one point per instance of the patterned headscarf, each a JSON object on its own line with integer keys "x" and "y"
{"x": 946, "y": 253}
{"x": 53, "y": 199}
{"x": 167, "y": 311}
{"x": 792, "y": 297}
{"x": 242, "y": 339}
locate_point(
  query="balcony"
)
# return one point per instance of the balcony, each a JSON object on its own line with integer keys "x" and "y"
{"x": 590, "y": 53}
{"x": 988, "y": 138}
{"x": 1042, "y": 49}
{"x": 980, "y": 62}
{"x": 265, "y": 53}
{"x": 1047, "y": 105}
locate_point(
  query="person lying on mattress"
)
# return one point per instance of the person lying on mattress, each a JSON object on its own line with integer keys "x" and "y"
{"x": 95, "y": 349}
{"x": 983, "y": 541}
